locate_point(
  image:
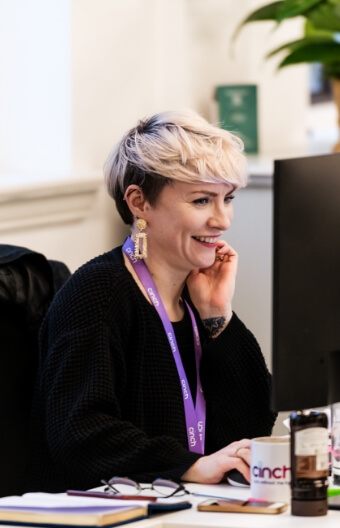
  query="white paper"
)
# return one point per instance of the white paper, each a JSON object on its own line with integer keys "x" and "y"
{"x": 62, "y": 500}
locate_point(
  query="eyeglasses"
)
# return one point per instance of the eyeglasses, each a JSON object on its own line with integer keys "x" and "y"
{"x": 126, "y": 486}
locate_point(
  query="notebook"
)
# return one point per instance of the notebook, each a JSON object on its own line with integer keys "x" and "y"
{"x": 59, "y": 509}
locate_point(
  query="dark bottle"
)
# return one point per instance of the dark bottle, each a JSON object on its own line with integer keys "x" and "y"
{"x": 309, "y": 462}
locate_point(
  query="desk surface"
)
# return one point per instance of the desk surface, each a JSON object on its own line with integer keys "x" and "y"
{"x": 193, "y": 518}
{"x": 196, "y": 519}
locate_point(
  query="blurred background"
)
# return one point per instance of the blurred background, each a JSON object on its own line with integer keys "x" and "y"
{"x": 76, "y": 74}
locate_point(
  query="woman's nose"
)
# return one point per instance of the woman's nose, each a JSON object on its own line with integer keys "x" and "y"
{"x": 221, "y": 218}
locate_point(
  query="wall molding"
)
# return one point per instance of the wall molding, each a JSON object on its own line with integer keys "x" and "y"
{"x": 46, "y": 201}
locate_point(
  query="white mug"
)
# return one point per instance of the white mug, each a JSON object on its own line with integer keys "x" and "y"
{"x": 270, "y": 468}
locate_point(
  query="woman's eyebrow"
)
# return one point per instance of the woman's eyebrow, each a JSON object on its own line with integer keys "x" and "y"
{"x": 210, "y": 193}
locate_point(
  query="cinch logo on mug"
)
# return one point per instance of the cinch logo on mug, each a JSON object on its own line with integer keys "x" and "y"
{"x": 267, "y": 472}
{"x": 270, "y": 468}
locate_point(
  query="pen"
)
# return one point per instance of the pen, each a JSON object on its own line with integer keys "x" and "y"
{"x": 104, "y": 495}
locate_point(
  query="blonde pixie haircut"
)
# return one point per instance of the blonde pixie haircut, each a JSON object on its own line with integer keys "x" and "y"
{"x": 173, "y": 145}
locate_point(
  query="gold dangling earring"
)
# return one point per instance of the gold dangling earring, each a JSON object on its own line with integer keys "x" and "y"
{"x": 141, "y": 237}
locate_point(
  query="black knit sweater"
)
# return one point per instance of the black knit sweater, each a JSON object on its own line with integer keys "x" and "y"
{"x": 108, "y": 399}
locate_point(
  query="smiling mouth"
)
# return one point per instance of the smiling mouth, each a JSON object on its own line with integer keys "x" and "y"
{"x": 207, "y": 240}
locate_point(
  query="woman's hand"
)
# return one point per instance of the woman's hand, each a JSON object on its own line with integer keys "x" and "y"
{"x": 212, "y": 289}
{"x": 211, "y": 469}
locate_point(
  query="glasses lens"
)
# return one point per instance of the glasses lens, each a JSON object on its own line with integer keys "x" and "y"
{"x": 167, "y": 487}
{"x": 124, "y": 486}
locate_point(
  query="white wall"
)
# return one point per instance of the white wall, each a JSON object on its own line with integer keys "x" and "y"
{"x": 135, "y": 57}
{"x": 73, "y": 242}
{"x": 118, "y": 61}
{"x": 35, "y": 98}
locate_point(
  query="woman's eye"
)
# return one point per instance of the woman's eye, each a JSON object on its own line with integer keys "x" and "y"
{"x": 228, "y": 199}
{"x": 201, "y": 201}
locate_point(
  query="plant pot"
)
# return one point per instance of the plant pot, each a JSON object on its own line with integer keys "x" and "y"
{"x": 336, "y": 97}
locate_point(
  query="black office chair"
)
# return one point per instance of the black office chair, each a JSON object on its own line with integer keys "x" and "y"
{"x": 28, "y": 283}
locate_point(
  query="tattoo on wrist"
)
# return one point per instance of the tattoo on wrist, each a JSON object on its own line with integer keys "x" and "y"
{"x": 214, "y": 325}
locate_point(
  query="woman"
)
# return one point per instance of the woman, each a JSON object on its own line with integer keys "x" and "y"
{"x": 145, "y": 370}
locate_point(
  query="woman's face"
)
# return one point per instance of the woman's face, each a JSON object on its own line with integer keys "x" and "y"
{"x": 186, "y": 222}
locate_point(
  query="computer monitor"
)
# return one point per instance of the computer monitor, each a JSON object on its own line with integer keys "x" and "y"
{"x": 306, "y": 283}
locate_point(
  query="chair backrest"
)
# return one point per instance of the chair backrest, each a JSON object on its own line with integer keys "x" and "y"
{"x": 28, "y": 283}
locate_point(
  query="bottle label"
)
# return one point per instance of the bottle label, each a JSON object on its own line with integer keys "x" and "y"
{"x": 311, "y": 452}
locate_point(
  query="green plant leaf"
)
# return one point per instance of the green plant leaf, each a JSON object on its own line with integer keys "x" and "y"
{"x": 325, "y": 16}
{"x": 321, "y": 42}
{"x": 327, "y": 53}
{"x": 303, "y": 43}
{"x": 293, "y": 8}
{"x": 268, "y": 12}
{"x": 311, "y": 31}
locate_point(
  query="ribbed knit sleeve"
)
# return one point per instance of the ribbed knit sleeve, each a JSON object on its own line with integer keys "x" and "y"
{"x": 237, "y": 387}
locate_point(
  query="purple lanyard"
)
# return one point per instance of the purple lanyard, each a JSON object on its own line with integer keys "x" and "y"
{"x": 194, "y": 416}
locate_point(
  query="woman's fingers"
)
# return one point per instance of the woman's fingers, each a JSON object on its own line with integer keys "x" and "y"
{"x": 211, "y": 469}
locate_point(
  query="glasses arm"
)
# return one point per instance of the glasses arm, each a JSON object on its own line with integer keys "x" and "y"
{"x": 109, "y": 486}
{"x": 180, "y": 488}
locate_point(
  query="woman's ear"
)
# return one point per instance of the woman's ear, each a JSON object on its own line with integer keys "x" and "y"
{"x": 135, "y": 199}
